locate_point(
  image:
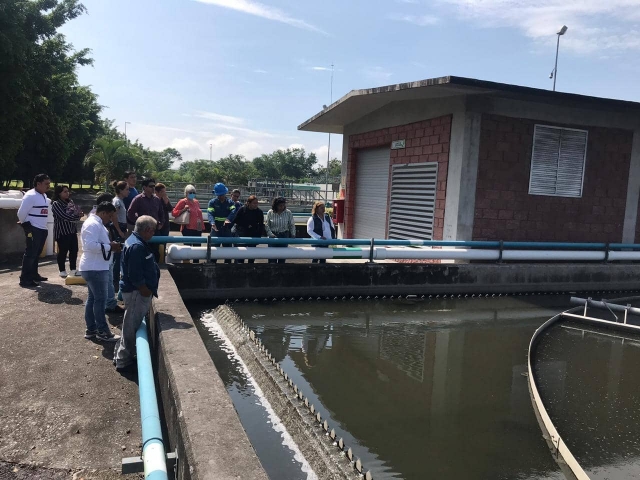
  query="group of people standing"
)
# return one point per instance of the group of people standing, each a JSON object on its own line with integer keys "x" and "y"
{"x": 230, "y": 218}
{"x": 115, "y": 252}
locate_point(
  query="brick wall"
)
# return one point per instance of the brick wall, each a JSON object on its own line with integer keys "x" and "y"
{"x": 426, "y": 141}
{"x": 504, "y": 209}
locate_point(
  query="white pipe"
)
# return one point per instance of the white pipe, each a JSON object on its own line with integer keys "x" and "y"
{"x": 615, "y": 255}
{"x": 184, "y": 252}
{"x": 10, "y": 202}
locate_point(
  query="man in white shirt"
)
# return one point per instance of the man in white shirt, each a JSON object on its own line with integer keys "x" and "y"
{"x": 32, "y": 214}
{"x": 97, "y": 249}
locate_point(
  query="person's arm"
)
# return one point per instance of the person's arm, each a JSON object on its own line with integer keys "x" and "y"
{"x": 211, "y": 213}
{"x": 60, "y": 211}
{"x": 180, "y": 207}
{"x": 25, "y": 206}
{"x": 267, "y": 226}
{"x": 132, "y": 213}
{"x": 239, "y": 218}
{"x": 136, "y": 259}
{"x": 161, "y": 214}
{"x": 310, "y": 225}
{"x": 292, "y": 225}
{"x": 232, "y": 214}
{"x": 93, "y": 237}
{"x": 261, "y": 230}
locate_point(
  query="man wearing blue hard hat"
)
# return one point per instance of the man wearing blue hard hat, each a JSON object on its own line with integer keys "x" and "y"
{"x": 221, "y": 212}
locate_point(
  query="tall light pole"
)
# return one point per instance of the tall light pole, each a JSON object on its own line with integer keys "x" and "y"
{"x": 326, "y": 176}
{"x": 554, "y": 72}
{"x": 211, "y": 152}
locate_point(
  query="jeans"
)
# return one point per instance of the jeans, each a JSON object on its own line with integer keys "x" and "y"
{"x": 35, "y": 238}
{"x": 137, "y": 307}
{"x": 111, "y": 301}
{"x": 94, "y": 317}
{"x": 223, "y": 231}
{"x": 280, "y": 235}
{"x": 67, "y": 244}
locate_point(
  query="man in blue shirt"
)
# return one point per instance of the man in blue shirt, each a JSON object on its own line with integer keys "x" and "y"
{"x": 221, "y": 212}
{"x": 131, "y": 178}
{"x": 139, "y": 281}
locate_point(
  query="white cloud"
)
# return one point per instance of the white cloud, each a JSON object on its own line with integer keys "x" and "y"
{"x": 246, "y": 131}
{"x": 263, "y": 11}
{"x": 250, "y": 149}
{"x": 222, "y": 140}
{"x": 259, "y": 70}
{"x": 378, "y": 74}
{"x": 219, "y": 118}
{"x": 420, "y": 20}
{"x": 321, "y": 69}
{"x": 541, "y": 20}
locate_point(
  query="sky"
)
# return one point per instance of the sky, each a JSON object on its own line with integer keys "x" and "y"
{"x": 241, "y": 75}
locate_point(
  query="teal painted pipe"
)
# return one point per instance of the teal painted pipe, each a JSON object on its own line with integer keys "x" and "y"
{"x": 153, "y": 453}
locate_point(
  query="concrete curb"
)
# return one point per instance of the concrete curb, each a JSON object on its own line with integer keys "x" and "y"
{"x": 201, "y": 420}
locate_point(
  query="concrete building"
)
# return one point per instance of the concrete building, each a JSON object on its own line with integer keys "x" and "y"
{"x": 455, "y": 158}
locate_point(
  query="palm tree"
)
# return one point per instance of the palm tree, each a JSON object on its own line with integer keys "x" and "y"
{"x": 109, "y": 158}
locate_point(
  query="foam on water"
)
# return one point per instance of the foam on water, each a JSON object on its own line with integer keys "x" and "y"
{"x": 210, "y": 322}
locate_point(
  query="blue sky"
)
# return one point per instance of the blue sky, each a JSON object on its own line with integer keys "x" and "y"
{"x": 242, "y": 75}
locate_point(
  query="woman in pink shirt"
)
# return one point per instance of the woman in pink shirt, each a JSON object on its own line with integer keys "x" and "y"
{"x": 191, "y": 205}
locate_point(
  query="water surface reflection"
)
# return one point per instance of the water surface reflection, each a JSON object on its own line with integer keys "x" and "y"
{"x": 431, "y": 389}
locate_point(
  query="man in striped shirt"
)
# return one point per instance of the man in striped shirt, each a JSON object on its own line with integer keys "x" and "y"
{"x": 32, "y": 214}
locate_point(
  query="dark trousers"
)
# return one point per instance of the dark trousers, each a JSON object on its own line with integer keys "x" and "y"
{"x": 187, "y": 232}
{"x": 223, "y": 231}
{"x": 241, "y": 260}
{"x": 280, "y": 235}
{"x": 320, "y": 260}
{"x": 67, "y": 244}
{"x": 35, "y": 239}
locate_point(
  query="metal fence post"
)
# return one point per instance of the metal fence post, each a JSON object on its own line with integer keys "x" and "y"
{"x": 371, "y": 251}
{"x": 208, "y": 248}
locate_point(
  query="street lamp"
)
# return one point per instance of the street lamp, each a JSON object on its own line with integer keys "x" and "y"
{"x": 326, "y": 173}
{"x": 554, "y": 72}
{"x": 211, "y": 152}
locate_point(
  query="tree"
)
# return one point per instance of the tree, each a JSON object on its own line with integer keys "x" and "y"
{"x": 109, "y": 158}
{"x": 45, "y": 115}
{"x": 235, "y": 170}
{"x": 164, "y": 160}
{"x": 290, "y": 164}
{"x": 335, "y": 169}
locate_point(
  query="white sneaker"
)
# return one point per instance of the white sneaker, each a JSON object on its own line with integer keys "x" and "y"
{"x": 74, "y": 273}
{"x": 63, "y": 274}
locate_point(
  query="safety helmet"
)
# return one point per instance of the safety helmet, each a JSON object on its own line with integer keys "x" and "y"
{"x": 220, "y": 189}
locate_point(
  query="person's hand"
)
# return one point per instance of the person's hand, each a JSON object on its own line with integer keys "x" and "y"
{"x": 159, "y": 227}
{"x": 272, "y": 236}
{"x": 214, "y": 228}
{"x": 144, "y": 291}
{"x": 116, "y": 247}
{"x": 185, "y": 209}
{"x": 227, "y": 222}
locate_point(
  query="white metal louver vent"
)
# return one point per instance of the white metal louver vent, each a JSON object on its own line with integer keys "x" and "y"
{"x": 413, "y": 201}
{"x": 557, "y": 161}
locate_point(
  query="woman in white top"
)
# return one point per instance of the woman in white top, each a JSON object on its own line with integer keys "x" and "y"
{"x": 320, "y": 227}
{"x": 279, "y": 224}
{"x": 94, "y": 268}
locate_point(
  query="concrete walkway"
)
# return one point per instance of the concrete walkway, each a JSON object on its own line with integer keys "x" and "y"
{"x": 64, "y": 410}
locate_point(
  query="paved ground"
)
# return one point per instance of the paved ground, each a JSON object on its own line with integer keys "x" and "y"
{"x": 64, "y": 410}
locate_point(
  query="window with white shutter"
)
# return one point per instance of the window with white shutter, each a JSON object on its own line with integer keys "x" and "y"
{"x": 557, "y": 161}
